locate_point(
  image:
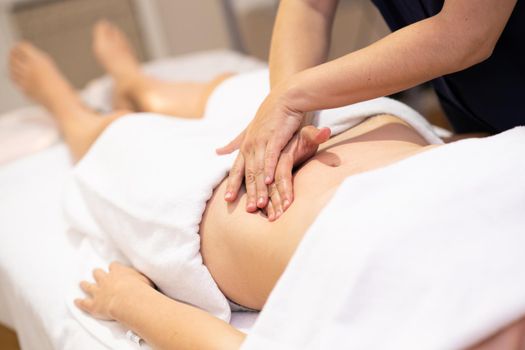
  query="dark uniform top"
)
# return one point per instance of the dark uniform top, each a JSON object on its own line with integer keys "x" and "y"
{"x": 488, "y": 97}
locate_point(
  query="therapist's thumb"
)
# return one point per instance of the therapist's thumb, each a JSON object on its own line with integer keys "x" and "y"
{"x": 309, "y": 140}
{"x": 314, "y": 136}
{"x": 234, "y": 145}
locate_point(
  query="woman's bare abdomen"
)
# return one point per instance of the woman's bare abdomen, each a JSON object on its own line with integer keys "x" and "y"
{"x": 246, "y": 254}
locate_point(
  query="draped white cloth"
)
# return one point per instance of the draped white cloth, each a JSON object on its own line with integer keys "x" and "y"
{"x": 139, "y": 194}
{"x": 425, "y": 254}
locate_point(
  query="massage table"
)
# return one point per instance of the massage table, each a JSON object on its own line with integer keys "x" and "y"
{"x": 36, "y": 249}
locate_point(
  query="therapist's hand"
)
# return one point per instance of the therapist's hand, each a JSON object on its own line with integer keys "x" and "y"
{"x": 301, "y": 147}
{"x": 260, "y": 147}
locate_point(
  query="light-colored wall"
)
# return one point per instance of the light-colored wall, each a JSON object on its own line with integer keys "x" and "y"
{"x": 196, "y": 25}
{"x": 193, "y": 25}
{"x": 9, "y": 96}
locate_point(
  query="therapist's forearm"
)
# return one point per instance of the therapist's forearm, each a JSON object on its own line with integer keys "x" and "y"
{"x": 413, "y": 55}
{"x": 301, "y": 37}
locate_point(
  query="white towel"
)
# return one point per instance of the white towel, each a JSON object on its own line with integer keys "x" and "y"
{"x": 425, "y": 254}
{"x": 140, "y": 192}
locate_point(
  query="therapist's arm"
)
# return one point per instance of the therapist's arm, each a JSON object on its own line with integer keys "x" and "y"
{"x": 463, "y": 34}
{"x": 126, "y": 296}
{"x": 301, "y": 37}
{"x": 300, "y": 40}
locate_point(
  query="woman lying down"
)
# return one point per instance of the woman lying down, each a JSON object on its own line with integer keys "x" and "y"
{"x": 244, "y": 253}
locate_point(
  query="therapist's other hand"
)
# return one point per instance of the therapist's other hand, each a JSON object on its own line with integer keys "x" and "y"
{"x": 301, "y": 147}
{"x": 260, "y": 147}
{"x": 103, "y": 295}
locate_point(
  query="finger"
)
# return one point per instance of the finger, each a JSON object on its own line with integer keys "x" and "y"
{"x": 271, "y": 157}
{"x": 85, "y": 305}
{"x": 315, "y": 136}
{"x": 262, "y": 188}
{"x": 99, "y": 275}
{"x": 87, "y": 287}
{"x": 283, "y": 179}
{"x": 270, "y": 212}
{"x": 251, "y": 187}
{"x": 323, "y": 135}
{"x": 275, "y": 200}
{"x": 115, "y": 265}
{"x": 235, "y": 178}
{"x": 232, "y": 146}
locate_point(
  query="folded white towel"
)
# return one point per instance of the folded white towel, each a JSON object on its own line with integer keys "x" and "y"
{"x": 425, "y": 254}
{"x": 141, "y": 190}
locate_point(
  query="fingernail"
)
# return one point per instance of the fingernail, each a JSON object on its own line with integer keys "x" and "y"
{"x": 268, "y": 180}
{"x": 261, "y": 200}
{"x": 286, "y": 203}
{"x": 228, "y": 195}
{"x": 279, "y": 213}
{"x": 251, "y": 207}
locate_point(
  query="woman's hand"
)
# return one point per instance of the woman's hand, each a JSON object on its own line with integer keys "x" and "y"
{"x": 260, "y": 148}
{"x": 108, "y": 288}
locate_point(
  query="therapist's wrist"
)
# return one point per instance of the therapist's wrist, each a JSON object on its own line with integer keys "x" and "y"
{"x": 294, "y": 93}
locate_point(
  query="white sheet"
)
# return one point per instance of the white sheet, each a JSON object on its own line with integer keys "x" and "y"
{"x": 35, "y": 252}
{"x": 425, "y": 254}
{"x": 36, "y": 276}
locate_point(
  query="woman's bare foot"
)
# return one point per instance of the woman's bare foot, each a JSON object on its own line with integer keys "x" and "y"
{"x": 136, "y": 91}
{"x": 115, "y": 54}
{"x": 35, "y": 73}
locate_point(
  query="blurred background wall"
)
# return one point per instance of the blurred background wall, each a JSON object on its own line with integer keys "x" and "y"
{"x": 161, "y": 28}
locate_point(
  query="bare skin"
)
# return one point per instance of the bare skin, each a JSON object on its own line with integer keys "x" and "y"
{"x": 138, "y": 92}
{"x": 37, "y": 76}
{"x": 246, "y": 254}
{"x": 239, "y": 256}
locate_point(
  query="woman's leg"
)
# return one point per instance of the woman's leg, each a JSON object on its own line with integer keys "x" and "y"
{"x": 37, "y": 76}
{"x": 136, "y": 91}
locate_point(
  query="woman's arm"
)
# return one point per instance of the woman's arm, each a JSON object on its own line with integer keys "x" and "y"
{"x": 126, "y": 296}
{"x": 301, "y": 37}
